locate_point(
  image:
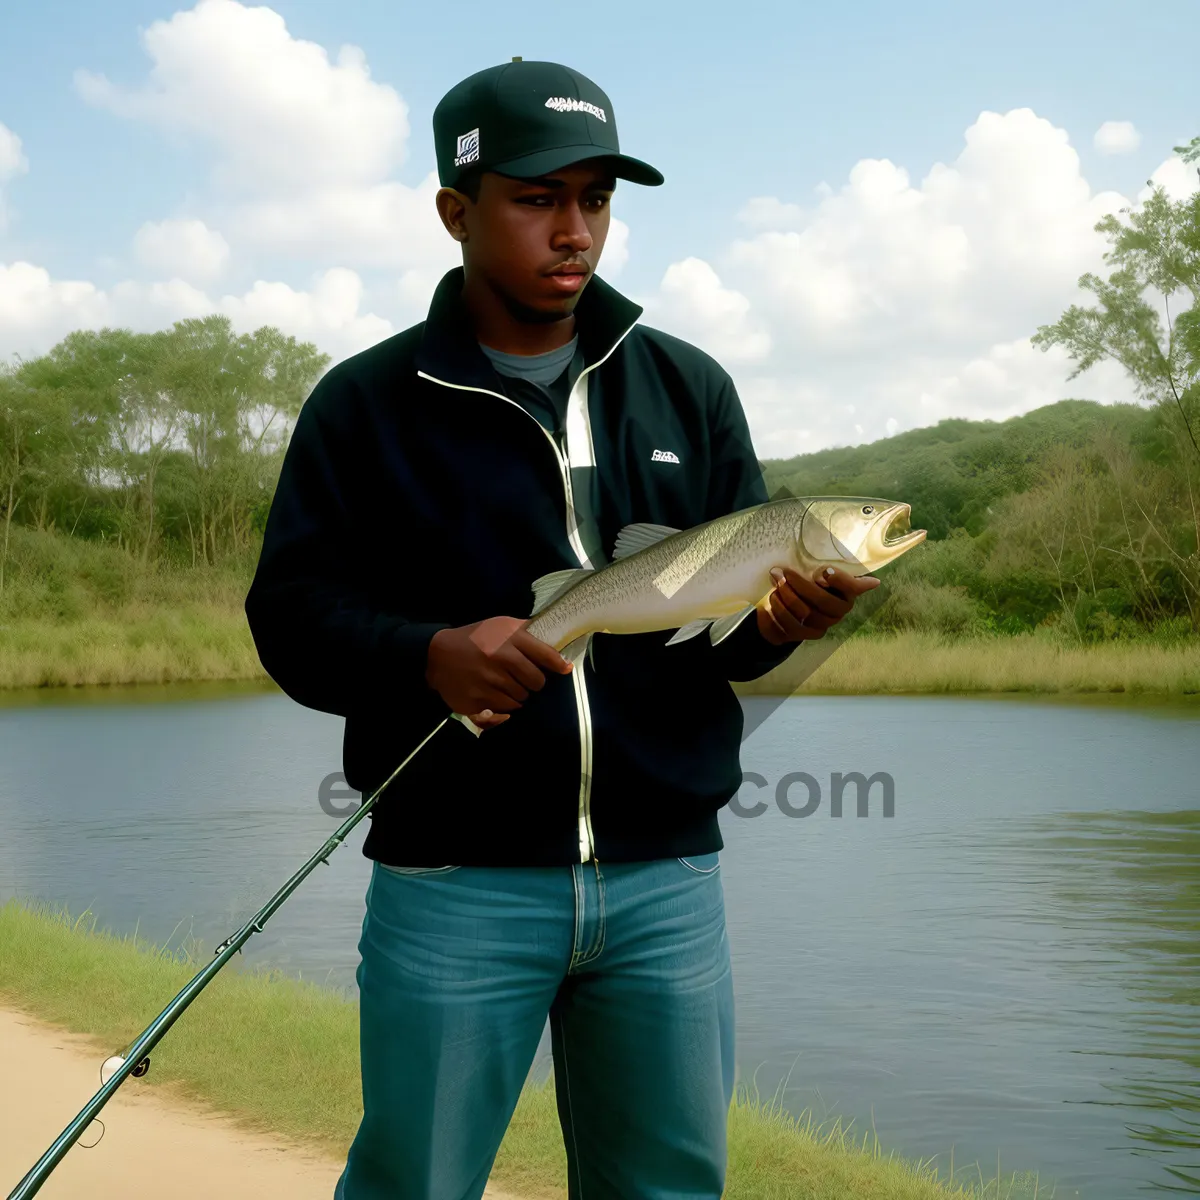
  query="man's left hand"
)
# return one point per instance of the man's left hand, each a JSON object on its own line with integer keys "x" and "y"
{"x": 800, "y": 610}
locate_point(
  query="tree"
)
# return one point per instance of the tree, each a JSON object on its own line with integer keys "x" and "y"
{"x": 33, "y": 430}
{"x": 1191, "y": 152}
{"x": 175, "y": 437}
{"x": 1157, "y": 251}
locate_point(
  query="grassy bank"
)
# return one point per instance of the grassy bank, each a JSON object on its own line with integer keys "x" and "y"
{"x": 282, "y": 1056}
{"x": 134, "y": 645}
{"x": 75, "y": 613}
{"x": 1036, "y": 663}
{"x": 140, "y": 645}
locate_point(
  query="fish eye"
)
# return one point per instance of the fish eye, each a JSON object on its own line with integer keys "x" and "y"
{"x": 868, "y": 509}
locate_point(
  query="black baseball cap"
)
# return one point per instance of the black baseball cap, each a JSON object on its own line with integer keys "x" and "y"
{"x": 526, "y": 119}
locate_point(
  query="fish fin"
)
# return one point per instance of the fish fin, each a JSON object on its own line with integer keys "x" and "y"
{"x": 689, "y": 631}
{"x": 548, "y": 588}
{"x": 590, "y": 649}
{"x": 468, "y": 723}
{"x": 574, "y": 651}
{"x": 724, "y": 626}
{"x": 637, "y": 537}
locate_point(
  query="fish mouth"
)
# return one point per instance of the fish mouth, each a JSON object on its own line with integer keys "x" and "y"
{"x": 892, "y": 536}
{"x": 897, "y": 533}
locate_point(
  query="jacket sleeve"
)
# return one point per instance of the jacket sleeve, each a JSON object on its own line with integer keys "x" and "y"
{"x": 736, "y": 483}
{"x": 322, "y": 634}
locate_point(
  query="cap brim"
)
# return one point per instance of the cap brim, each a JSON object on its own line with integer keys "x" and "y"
{"x": 531, "y": 166}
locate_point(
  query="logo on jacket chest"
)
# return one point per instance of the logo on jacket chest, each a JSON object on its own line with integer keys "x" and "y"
{"x": 664, "y": 456}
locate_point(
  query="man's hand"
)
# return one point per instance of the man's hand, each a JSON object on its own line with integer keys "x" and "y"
{"x": 800, "y": 610}
{"x": 487, "y": 669}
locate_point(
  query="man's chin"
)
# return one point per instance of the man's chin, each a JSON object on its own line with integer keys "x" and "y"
{"x": 543, "y": 311}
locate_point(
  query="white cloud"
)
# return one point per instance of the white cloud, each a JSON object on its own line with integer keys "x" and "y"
{"x": 328, "y": 314}
{"x": 185, "y": 248}
{"x": 692, "y": 303}
{"x": 1177, "y": 178}
{"x": 384, "y": 226}
{"x": 894, "y": 301}
{"x": 12, "y": 163}
{"x": 769, "y": 212}
{"x": 279, "y": 113}
{"x": 12, "y": 158}
{"x": 304, "y": 146}
{"x": 1117, "y": 137}
{"x": 37, "y": 311}
{"x": 616, "y": 249}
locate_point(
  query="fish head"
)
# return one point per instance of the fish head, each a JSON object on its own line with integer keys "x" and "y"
{"x": 859, "y": 534}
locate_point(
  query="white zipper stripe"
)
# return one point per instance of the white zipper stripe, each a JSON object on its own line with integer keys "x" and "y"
{"x": 578, "y": 422}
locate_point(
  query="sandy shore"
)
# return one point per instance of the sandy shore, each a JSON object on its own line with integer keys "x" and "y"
{"x": 148, "y": 1139}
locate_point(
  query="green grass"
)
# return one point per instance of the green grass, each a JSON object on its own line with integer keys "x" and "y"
{"x": 281, "y": 1055}
{"x": 196, "y": 643}
{"x": 924, "y": 663}
{"x": 133, "y": 645}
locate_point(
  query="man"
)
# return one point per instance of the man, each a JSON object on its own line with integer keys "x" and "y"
{"x": 429, "y": 480}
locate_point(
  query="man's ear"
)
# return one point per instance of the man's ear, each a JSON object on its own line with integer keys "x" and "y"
{"x": 452, "y": 208}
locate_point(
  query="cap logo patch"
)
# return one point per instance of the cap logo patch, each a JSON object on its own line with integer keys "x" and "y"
{"x": 468, "y": 148}
{"x": 562, "y": 104}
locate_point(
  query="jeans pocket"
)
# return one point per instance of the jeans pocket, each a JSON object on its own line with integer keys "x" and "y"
{"x": 703, "y": 864}
{"x": 419, "y": 870}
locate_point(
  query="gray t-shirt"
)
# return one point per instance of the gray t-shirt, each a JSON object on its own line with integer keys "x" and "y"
{"x": 541, "y": 384}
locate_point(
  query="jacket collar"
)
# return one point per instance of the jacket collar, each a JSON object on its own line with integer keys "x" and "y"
{"x": 450, "y": 351}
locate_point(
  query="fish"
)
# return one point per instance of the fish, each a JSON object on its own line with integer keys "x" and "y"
{"x": 713, "y": 575}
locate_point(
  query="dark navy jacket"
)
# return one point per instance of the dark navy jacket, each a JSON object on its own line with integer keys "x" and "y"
{"x": 415, "y": 496}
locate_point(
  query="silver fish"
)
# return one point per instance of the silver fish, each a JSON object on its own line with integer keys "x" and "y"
{"x": 712, "y": 575}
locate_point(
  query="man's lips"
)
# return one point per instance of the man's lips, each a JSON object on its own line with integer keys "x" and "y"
{"x": 568, "y": 279}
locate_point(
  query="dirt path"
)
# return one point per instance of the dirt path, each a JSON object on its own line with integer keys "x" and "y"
{"x": 48, "y": 1075}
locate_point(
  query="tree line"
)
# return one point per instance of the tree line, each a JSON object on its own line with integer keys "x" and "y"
{"x": 167, "y": 444}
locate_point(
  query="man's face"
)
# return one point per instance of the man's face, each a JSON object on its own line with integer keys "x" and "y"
{"x": 521, "y": 231}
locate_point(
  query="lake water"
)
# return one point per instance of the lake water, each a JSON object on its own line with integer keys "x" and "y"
{"x": 1010, "y": 964}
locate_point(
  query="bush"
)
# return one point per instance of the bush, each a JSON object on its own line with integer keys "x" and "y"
{"x": 917, "y": 605}
{"x": 50, "y": 576}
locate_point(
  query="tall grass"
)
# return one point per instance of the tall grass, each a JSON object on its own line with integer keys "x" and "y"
{"x": 1042, "y": 663}
{"x": 281, "y": 1055}
{"x": 75, "y": 612}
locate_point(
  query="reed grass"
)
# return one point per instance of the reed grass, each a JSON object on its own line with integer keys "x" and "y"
{"x": 914, "y": 663}
{"x": 211, "y": 644}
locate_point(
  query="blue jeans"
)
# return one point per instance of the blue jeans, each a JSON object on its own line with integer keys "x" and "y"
{"x": 460, "y": 968}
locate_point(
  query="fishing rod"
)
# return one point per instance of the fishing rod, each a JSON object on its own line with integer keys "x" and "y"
{"x": 135, "y": 1060}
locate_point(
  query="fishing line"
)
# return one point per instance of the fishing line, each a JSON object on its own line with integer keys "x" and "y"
{"x": 136, "y": 1059}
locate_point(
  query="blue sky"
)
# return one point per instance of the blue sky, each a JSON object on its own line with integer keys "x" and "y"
{"x": 730, "y": 101}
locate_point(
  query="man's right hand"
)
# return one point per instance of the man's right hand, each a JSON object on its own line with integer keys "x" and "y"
{"x": 487, "y": 669}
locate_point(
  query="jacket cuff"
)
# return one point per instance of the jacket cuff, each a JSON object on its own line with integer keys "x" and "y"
{"x": 409, "y": 657}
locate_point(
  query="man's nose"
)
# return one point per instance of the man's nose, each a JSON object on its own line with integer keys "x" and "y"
{"x": 572, "y": 229}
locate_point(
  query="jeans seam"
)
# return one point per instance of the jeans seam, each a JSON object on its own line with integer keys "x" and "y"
{"x": 562, "y": 1041}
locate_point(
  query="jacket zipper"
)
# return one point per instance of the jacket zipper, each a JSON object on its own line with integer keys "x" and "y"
{"x": 587, "y": 840}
